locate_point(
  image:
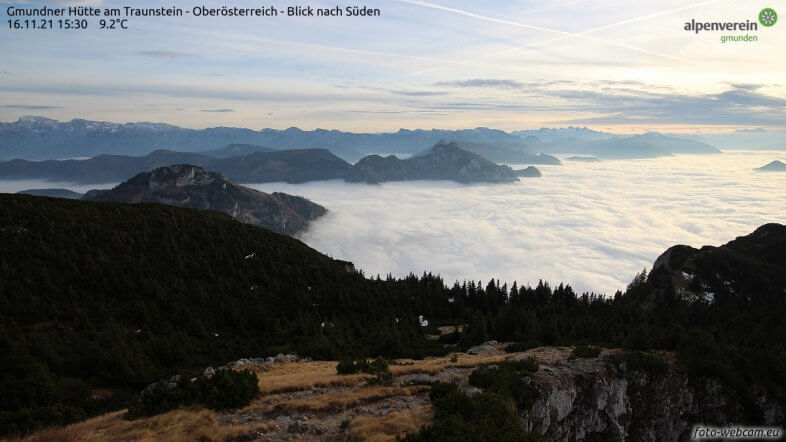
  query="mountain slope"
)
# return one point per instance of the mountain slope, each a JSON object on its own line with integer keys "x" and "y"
{"x": 99, "y": 298}
{"x": 261, "y": 166}
{"x": 109, "y": 296}
{"x": 99, "y": 169}
{"x": 746, "y": 271}
{"x": 291, "y": 166}
{"x": 236, "y": 150}
{"x": 196, "y": 188}
{"x": 507, "y": 153}
{"x": 444, "y": 161}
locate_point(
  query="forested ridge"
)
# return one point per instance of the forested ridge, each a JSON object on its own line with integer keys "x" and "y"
{"x": 97, "y": 300}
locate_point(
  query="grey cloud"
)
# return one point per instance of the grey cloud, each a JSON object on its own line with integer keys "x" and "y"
{"x": 381, "y": 111}
{"x": 746, "y": 86}
{"x": 416, "y": 93}
{"x": 404, "y": 92}
{"x": 165, "y": 54}
{"x": 29, "y": 107}
{"x": 737, "y": 106}
{"x": 174, "y": 90}
{"x": 483, "y": 83}
{"x": 217, "y": 110}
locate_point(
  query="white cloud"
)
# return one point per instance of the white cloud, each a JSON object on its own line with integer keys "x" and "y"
{"x": 591, "y": 225}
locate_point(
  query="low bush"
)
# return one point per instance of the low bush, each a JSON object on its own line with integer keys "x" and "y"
{"x": 517, "y": 347}
{"x": 483, "y": 417}
{"x": 585, "y": 351}
{"x": 640, "y": 361}
{"x": 226, "y": 389}
{"x": 374, "y": 366}
{"x": 508, "y": 380}
{"x": 346, "y": 367}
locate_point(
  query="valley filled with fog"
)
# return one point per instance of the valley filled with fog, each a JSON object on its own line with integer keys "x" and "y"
{"x": 593, "y": 225}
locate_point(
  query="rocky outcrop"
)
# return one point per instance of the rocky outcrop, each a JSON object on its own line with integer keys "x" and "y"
{"x": 748, "y": 269}
{"x": 607, "y": 398}
{"x": 444, "y": 161}
{"x": 196, "y": 188}
{"x": 487, "y": 348}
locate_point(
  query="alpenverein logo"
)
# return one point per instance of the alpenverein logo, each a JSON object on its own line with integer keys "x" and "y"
{"x": 768, "y": 17}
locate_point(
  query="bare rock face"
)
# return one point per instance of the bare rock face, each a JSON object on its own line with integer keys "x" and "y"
{"x": 196, "y": 188}
{"x": 604, "y": 399}
{"x": 486, "y": 348}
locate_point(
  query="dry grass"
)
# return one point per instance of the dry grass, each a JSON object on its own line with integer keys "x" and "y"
{"x": 176, "y": 426}
{"x": 190, "y": 425}
{"x": 298, "y": 376}
{"x": 340, "y": 401}
{"x": 433, "y": 366}
{"x": 388, "y": 428}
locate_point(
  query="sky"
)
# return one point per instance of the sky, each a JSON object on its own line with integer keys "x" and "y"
{"x": 516, "y": 64}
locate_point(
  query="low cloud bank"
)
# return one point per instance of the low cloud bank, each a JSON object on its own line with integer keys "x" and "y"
{"x": 592, "y": 225}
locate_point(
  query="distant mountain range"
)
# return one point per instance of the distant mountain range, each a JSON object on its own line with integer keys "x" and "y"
{"x": 445, "y": 161}
{"x": 583, "y": 141}
{"x": 38, "y": 138}
{"x": 99, "y": 169}
{"x": 196, "y": 188}
{"x": 580, "y": 159}
{"x": 42, "y": 138}
{"x": 53, "y": 193}
{"x": 746, "y": 139}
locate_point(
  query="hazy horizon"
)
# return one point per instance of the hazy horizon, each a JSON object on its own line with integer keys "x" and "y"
{"x": 620, "y": 131}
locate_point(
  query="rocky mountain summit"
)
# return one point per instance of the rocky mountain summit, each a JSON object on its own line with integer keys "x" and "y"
{"x": 745, "y": 272}
{"x": 444, "y": 161}
{"x": 196, "y": 188}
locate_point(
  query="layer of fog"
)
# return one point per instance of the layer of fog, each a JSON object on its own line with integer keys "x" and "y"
{"x": 13, "y": 186}
{"x": 593, "y": 225}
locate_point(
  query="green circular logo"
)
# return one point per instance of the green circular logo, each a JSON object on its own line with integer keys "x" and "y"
{"x": 768, "y": 17}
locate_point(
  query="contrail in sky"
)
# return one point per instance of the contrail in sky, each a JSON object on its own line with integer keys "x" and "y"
{"x": 564, "y": 34}
{"x": 609, "y": 26}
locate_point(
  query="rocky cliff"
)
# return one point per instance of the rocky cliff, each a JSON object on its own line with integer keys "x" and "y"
{"x": 196, "y": 188}
{"x": 627, "y": 396}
